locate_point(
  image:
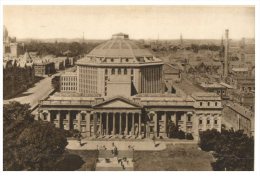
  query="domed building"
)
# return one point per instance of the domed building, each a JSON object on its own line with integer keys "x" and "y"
{"x": 118, "y": 90}
{"x": 119, "y": 67}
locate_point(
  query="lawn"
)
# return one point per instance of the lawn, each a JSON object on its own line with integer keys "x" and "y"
{"x": 81, "y": 160}
{"x": 179, "y": 157}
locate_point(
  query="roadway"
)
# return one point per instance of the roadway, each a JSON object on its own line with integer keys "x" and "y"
{"x": 32, "y": 95}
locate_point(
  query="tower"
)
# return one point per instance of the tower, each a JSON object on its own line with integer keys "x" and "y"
{"x": 181, "y": 40}
{"x": 226, "y": 53}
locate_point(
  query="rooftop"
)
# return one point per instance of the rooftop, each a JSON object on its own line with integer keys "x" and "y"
{"x": 119, "y": 49}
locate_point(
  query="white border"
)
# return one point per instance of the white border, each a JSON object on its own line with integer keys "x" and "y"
{"x": 145, "y": 2}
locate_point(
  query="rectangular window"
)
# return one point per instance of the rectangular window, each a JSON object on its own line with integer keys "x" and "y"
{"x": 200, "y": 103}
{"x": 208, "y": 121}
{"x": 215, "y": 122}
{"x": 208, "y": 103}
{"x": 200, "y": 121}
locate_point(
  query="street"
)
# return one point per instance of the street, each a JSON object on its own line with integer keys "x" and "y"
{"x": 32, "y": 96}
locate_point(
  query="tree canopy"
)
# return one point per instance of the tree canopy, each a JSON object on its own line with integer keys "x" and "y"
{"x": 30, "y": 144}
{"x": 233, "y": 150}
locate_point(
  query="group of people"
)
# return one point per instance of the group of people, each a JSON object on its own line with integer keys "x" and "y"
{"x": 131, "y": 147}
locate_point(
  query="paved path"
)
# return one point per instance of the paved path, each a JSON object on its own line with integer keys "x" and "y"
{"x": 32, "y": 96}
{"x": 123, "y": 145}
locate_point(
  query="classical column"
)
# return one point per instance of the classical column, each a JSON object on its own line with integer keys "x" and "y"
{"x": 165, "y": 123}
{"x": 49, "y": 116}
{"x": 95, "y": 123}
{"x": 173, "y": 118}
{"x": 133, "y": 124}
{"x": 155, "y": 124}
{"x": 120, "y": 125}
{"x": 107, "y": 132}
{"x": 68, "y": 120}
{"x": 100, "y": 123}
{"x": 126, "y": 123}
{"x": 58, "y": 119}
{"x": 139, "y": 131}
{"x": 78, "y": 121}
{"x": 185, "y": 122}
{"x": 87, "y": 114}
{"x": 114, "y": 123}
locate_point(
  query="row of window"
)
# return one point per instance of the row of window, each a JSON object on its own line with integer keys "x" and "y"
{"x": 208, "y": 121}
{"x": 69, "y": 78}
{"x": 119, "y": 71}
{"x": 68, "y": 83}
{"x": 68, "y": 88}
{"x": 216, "y": 103}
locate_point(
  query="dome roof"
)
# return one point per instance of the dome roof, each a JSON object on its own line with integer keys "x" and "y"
{"x": 120, "y": 46}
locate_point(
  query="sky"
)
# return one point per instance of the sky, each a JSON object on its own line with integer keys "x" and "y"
{"x": 140, "y": 22}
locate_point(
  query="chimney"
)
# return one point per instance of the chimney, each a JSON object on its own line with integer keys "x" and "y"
{"x": 243, "y": 50}
{"x": 226, "y": 54}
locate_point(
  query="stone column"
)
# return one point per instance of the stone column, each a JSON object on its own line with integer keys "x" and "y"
{"x": 195, "y": 126}
{"x": 126, "y": 124}
{"x": 87, "y": 123}
{"x": 114, "y": 123}
{"x": 165, "y": 123}
{"x": 155, "y": 124}
{"x": 185, "y": 122}
{"x": 58, "y": 119}
{"x": 79, "y": 120}
{"x": 95, "y": 123}
{"x": 139, "y": 130}
{"x": 100, "y": 123}
{"x": 68, "y": 119}
{"x": 133, "y": 123}
{"x": 49, "y": 116}
{"x": 107, "y": 132}
{"x": 174, "y": 118}
{"x": 120, "y": 125}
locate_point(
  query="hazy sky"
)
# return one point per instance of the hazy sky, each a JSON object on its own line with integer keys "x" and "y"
{"x": 100, "y": 22}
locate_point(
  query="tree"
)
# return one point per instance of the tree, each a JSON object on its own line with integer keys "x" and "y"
{"x": 29, "y": 144}
{"x": 208, "y": 139}
{"x": 234, "y": 151}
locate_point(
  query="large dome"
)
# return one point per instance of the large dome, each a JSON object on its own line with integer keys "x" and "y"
{"x": 120, "y": 46}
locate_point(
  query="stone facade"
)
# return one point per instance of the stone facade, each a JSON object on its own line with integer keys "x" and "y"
{"x": 121, "y": 92}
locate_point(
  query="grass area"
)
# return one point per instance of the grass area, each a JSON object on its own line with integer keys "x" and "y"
{"x": 81, "y": 160}
{"x": 179, "y": 157}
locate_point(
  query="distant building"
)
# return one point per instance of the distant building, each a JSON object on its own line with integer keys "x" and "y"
{"x": 171, "y": 73}
{"x": 239, "y": 118}
{"x": 44, "y": 68}
{"x": 217, "y": 88}
{"x": 10, "y": 46}
{"x": 68, "y": 82}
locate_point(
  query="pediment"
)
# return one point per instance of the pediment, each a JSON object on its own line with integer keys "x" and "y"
{"x": 118, "y": 102}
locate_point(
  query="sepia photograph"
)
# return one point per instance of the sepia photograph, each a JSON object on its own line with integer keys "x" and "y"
{"x": 128, "y": 88}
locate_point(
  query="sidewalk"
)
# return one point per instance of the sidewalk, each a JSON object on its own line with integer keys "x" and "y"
{"x": 140, "y": 145}
{"x": 121, "y": 145}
